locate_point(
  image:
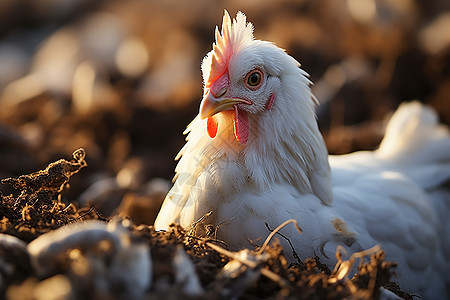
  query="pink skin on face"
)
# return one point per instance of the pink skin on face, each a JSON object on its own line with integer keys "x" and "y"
{"x": 220, "y": 85}
{"x": 270, "y": 102}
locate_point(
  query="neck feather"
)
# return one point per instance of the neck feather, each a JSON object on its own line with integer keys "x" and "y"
{"x": 285, "y": 147}
{"x": 289, "y": 148}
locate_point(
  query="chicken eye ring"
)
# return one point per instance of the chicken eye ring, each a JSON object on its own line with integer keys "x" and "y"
{"x": 254, "y": 79}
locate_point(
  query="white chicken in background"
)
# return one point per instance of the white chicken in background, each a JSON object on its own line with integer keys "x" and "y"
{"x": 254, "y": 154}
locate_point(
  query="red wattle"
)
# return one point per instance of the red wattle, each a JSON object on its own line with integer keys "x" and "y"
{"x": 270, "y": 102}
{"x": 211, "y": 126}
{"x": 241, "y": 126}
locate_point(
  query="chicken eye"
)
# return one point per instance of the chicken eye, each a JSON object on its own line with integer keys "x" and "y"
{"x": 253, "y": 79}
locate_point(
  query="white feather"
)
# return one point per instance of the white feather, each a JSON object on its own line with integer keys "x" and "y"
{"x": 397, "y": 196}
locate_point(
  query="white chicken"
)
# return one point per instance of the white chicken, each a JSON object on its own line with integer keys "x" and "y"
{"x": 254, "y": 154}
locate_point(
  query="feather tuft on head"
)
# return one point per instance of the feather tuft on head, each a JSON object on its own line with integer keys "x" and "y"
{"x": 229, "y": 41}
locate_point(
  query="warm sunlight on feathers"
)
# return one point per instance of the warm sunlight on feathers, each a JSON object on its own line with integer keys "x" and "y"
{"x": 396, "y": 196}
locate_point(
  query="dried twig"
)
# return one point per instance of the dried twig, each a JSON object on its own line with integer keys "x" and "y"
{"x": 294, "y": 253}
{"x": 254, "y": 265}
{"x": 266, "y": 242}
{"x": 99, "y": 215}
{"x": 206, "y": 240}
{"x": 193, "y": 226}
{"x": 220, "y": 225}
{"x": 343, "y": 267}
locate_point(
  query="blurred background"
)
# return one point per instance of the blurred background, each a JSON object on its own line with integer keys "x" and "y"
{"x": 122, "y": 80}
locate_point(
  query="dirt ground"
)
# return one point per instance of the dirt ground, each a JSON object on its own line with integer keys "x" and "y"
{"x": 37, "y": 208}
{"x": 121, "y": 80}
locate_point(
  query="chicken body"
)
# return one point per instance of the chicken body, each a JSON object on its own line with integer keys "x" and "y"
{"x": 255, "y": 155}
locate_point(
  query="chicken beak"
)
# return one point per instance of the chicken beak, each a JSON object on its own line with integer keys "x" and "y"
{"x": 211, "y": 105}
